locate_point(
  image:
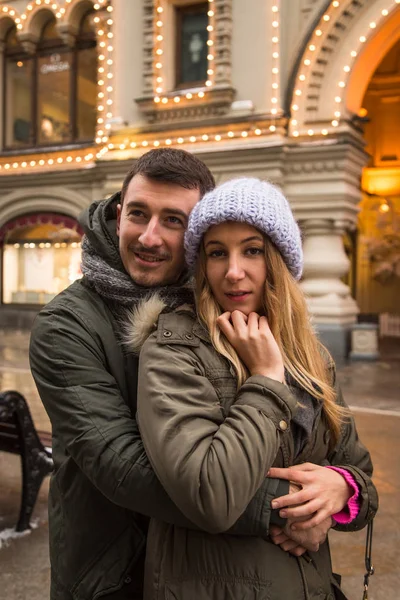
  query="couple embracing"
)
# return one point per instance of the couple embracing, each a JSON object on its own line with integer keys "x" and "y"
{"x": 202, "y": 446}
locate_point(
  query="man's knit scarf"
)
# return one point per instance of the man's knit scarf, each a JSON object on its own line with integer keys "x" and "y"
{"x": 118, "y": 288}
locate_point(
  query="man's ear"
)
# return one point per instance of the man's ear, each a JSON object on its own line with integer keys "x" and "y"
{"x": 119, "y": 211}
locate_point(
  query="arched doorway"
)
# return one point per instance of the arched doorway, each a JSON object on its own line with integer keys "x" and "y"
{"x": 40, "y": 257}
{"x": 378, "y": 262}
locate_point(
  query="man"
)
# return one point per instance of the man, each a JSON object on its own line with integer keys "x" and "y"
{"x": 103, "y": 488}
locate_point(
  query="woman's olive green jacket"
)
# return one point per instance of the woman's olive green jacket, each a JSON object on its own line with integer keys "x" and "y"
{"x": 211, "y": 447}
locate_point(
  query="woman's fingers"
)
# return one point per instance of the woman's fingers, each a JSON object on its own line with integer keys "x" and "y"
{"x": 252, "y": 324}
{"x": 317, "y": 519}
{"x": 263, "y": 326}
{"x": 240, "y": 323}
{"x": 292, "y": 474}
{"x": 293, "y": 499}
{"x": 225, "y": 317}
{"x": 304, "y": 510}
{"x": 225, "y": 325}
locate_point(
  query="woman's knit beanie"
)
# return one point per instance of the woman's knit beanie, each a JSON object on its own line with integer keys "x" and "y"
{"x": 257, "y": 203}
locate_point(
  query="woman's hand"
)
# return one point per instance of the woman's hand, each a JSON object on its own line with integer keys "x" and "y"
{"x": 252, "y": 339}
{"x": 324, "y": 493}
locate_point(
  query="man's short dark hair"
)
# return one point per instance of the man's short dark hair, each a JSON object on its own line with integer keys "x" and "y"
{"x": 171, "y": 165}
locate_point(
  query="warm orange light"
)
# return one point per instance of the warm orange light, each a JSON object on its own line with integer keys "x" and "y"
{"x": 384, "y": 207}
{"x": 362, "y": 112}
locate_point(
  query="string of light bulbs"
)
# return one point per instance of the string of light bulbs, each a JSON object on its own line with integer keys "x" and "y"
{"x": 320, "y": 32}
{"x": 228, "y": 134}
{"x": 275, "y": 62}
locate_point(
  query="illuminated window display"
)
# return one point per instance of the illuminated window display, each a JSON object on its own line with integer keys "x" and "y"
{"x": 50, "y": 96}
{"x": 41, "y": 257}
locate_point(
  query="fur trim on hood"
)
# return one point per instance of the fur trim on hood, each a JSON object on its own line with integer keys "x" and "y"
{"x": 142, "y": 320}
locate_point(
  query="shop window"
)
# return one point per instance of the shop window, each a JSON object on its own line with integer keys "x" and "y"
{"x": 50, "y": 97}
{"x": 18, "y": 95}
{"x": 41, "y": 257}
{"x": 191, "y": 45}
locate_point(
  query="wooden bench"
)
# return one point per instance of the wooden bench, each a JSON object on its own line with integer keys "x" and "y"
{"x": 19, "y": 436}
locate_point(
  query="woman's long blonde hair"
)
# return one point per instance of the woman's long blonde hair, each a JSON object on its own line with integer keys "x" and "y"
{"x": 304, "y": 357}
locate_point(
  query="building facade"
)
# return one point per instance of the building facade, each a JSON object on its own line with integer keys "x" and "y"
{"x": 305, "y": 93}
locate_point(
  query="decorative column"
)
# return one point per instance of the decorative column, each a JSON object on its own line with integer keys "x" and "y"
{"x": 223, "y": 43}
{"x": 322, "y": 183}
{"x": 329, "y": 299}
{"x": 148, "y": 42}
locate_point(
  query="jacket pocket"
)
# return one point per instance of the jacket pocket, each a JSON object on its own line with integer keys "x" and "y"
{"x": 216, "y": 588}
{"x": 106, "y": 572}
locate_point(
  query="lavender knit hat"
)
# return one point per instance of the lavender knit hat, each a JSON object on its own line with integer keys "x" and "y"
{"x": 257, "y": 203}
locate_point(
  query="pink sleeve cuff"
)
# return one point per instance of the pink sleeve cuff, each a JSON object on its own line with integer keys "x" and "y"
{"x": 351, "y": 510}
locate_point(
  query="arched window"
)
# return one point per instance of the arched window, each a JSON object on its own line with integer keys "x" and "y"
{"x": 50, "y": 97}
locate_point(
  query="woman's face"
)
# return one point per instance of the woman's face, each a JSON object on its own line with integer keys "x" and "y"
{"x": 236, "y": 268}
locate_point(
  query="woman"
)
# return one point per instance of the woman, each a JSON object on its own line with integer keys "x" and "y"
{"x": 241, "y": 390}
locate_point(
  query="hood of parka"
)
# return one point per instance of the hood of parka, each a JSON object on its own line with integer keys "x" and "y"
{"x": 99, "y": 222}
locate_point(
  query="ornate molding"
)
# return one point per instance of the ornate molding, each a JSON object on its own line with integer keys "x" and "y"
{"x": 28, "y": 41}
{"x": 68, "y": 33}
{"x": 223, "y": 43}
{"x": 216, "y": 104}
{"x": 148, "y": 42}
{"x": 310, "y": 166}
{"x": 325, "y": 226}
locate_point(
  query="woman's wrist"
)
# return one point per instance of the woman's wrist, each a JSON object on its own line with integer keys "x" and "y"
{"x": 276, "y": 374}
{"x": 351, "y": 507}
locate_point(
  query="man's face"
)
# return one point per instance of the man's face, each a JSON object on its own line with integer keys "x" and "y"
{"x": 150, "y": 225}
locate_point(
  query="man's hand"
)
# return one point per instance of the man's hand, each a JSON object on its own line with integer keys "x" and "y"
{"x": 279, "y": 537}
{"x": 296, "y": 541}
{"x": 310, "y": 538}
{"x": 324, "y": 492}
